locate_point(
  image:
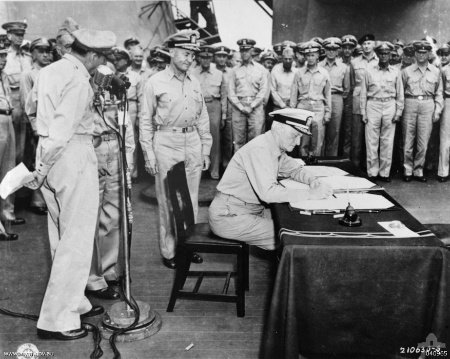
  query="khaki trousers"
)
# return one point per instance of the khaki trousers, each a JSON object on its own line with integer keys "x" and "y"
{"x": 313, "y": 145}
{"x": 171, "y": 148}
{"x": 416, "y": 126}
{"x": 333, "y": 128}
{"x": 132, "y": 112}
{"x": 71, "y": 193}
{"x": 7, "y": 163}
{"x": 107, "y": 244}
{"x": 247, "y": 127}
{"x": 232, "y": 218}
{"x": 215, "y": 113}
{"x": 379, "y": 132}
{"x": 444, "y": 147}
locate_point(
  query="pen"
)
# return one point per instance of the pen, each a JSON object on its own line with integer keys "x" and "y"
{"x": 282, "y": 185}
{"x": 326, "y": 211}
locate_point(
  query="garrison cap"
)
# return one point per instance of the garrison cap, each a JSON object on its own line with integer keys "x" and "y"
{"x": 287, "y": 43}
{"x": 422, "y": 46}
{"x": 366, "y": 37}
{"x": 206, "y": 51}
{"x": 184, "y": 39}
{"x": 288, "y": 51}
{"x": 311, "y": 46}
{"x": 443, "y": 50}
{"x": 95, "y": 40}
{"x": 246, "y": 44}
{"x": 15, "y": 26}
{"x": 131, "y": 41}
{"x": 222, "y": 50}
{"x": 269, "y": 55}
{"x": 384, "y": 46}
{"x": 41, "y": 43}
{"x": 332, "y": 43}
{"x": 297, "y": 118}
{"x": 278, "y": 48}
{"x": 349, "y": 40}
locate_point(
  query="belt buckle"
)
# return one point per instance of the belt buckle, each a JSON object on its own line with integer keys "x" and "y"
{"x": 420, "y": 98}
{"x": 184, "y": 130}
{"x": 311, "y": 102}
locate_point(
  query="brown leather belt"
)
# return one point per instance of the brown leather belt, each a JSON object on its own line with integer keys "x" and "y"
{"x": 420, "y": 98}
{"x": 175, "y": 129}
{"x": 381, "y": 99}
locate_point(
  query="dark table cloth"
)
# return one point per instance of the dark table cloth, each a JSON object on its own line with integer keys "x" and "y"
{"x": 355, "y": 292}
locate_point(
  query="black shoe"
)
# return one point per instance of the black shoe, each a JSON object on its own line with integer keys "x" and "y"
{"x": 95, "y": 310}
{"x": 384, "y": 179}
{"x": 41, "y": 211}
{"x": 113, "y": 282}
{"x": 372, "y": 178}
{"x": 4, "y": 237}
{"x": 422, "y": 179}
{"x": 442, "y": 179}
{"x": 196, "y": 258}
{"x": 407, "y": 178}
{"x": 67, "y": 335}
{"x": 104, "y": 293}
{"x": 170, "y": 263}
{"x": 17, "y": 221}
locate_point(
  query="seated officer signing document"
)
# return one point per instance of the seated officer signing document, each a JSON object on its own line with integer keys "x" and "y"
{"x": 251, "y": 179}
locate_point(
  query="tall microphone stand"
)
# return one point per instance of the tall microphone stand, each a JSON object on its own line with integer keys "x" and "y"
{"x": 129, "y": 320}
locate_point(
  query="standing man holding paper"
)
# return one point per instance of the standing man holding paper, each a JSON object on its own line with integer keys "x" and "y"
{"x": 66, "y": 168}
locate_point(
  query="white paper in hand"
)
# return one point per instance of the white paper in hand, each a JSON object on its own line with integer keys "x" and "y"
{"x": 15, "y": 179}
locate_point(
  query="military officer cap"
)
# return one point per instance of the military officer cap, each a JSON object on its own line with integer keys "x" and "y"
{"x": 256, "y": 50}
{"x": 332, "y": 43}
{"x": 95, "y": 40}
{"x": 121, "y": 53}
{"x": 422, "y": 46}
{"x": 287, "y": 43}
{"x": 399, "y": 43}
{"x": 17, "y": 27}
{"x": 206, "y": 51}
{"x": 299, "y": 47}
{"x": 184, "y": 39}
{"x": 278, "y": 48}
{"x": 408, "y": 50}
{"x": 246, "y": 44}
{"x": 310, "y": 46}
{"x": 40, "y": 43}
{"x": 222, "y": 50}
{"x": 297, "y": 118}
{"x": 67, "y": 27}
{"x": 288, "y": 51}
{"x": 349, "y": 40}
{"x": 443, "y": 50}
{"x": 366, "y": 37}
{"x": 384, "y": 46}
{"x": 25, "y": 45}
{"x": 317, "y": 39}
{"x": 269, "y": 55}
{"x": 131, "y": 41}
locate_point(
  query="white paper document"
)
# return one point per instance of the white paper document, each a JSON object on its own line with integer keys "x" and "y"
{"x": 325, "y": 171}
{"x": 289, "y": 183}
{"x": 398, "y": 229}
{"x": 339, "y": 201}
{"x": 15, "y": 179}
{"x": 352, "y": 183}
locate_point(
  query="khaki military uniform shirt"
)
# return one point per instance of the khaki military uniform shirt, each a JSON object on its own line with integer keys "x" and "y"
{"x": 339, "y": 76}
{"x": 280, "y": 85}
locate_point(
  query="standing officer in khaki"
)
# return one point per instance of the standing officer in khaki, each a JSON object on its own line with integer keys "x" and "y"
{"x": 349, "y": 43}
{"x": 444, "y": 131}
{"x": 174, "y": 127}
{"x": 122, "y": 64}
{"x": 281, "y": 80}
{"x": 358, "y": 69}
{"x": 226, "y": 135}
{"x": 7, "y": 142}
{"x": 381, "y": 107}
{"x": 423, "y": 106}
{"x": 340, "y": 88}
{"x": 17, "y": 62}
{"x": 311, "y": 90}
{"x": 214, "y": 89}
{"x": 247, "y": 90}
{"x": 66, "y": 166}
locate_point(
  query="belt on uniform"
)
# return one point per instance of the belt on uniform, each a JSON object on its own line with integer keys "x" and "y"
{"x": 246, "y": 98}
{"x": 446, "y": 96}
{"x": 381, "y": 99}
{"x": 109, "y": 136}
{"x": 421, "y": 97}
{"x": 335, "y": 92}
{"x": 5, "y": 112}
{"x": 210, "y": 99}
{"x": 310, "y": 100}
{"x": 133, "y": 99}
{"x": 175, "y": 129}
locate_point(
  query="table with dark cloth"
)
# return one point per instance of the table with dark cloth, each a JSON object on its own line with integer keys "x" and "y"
{"x": 356, "y": 292}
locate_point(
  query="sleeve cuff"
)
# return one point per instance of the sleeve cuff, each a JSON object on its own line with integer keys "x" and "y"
{"x": 42, "y": 168}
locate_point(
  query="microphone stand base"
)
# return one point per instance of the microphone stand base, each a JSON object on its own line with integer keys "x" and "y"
{"x": 119, "y": 316}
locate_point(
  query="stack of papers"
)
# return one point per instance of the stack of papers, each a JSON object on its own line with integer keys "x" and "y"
{"x": 325, "y": 171}
{"x": 339, "y": 201}
{"x": 337, "y": 183}
{"x": 398, "y": 229}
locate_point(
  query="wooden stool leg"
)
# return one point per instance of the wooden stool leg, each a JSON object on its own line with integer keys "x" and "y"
{"x": 240, "y": 285}
{"x": 183, "y": 264}
{"x": 246, "y": 267}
